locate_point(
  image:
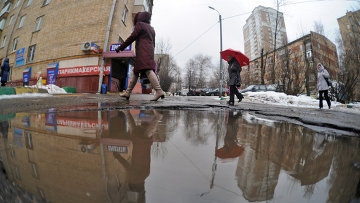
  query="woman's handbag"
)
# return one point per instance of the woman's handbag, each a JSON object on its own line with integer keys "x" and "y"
{"x": 328, "y": 81}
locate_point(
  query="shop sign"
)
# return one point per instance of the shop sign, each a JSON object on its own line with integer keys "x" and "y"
{"x": 82, "y": 70}
{"x": 114, "y": 46}
{"x": 119, "y": 149}
{"x": 94, "y": 48}
{"x": 83, "y": 124}
{"x": 19, "y": 59}
{"x": 51, "y": 74}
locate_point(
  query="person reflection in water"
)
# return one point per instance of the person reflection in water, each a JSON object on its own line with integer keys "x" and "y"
{"x": 231, "y": 148}
{"x": 141, "y": 133}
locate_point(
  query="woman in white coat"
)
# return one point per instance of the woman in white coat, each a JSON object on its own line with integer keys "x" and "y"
{"x": 322, "y": 85}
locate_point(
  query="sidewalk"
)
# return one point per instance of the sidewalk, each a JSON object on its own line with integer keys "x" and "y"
{"x": 20, "y": 90}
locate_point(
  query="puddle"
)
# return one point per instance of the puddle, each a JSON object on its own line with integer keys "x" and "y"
{"x": 172, "y": 156}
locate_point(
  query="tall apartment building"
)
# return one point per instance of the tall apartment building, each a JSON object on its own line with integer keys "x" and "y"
{"x": 259, "y": 31}
{"x": 296, "y": 64}
{"x": 349, "y": 27}
{"x": 350, "y": 33}
{"x": 64, "y": 41}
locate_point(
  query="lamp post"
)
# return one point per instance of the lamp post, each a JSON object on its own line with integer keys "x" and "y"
{"x": 221, "y": 75}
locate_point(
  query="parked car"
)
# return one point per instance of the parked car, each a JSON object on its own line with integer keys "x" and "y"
{"x": 259, "y": 88}
{"x": 216, "y": 92}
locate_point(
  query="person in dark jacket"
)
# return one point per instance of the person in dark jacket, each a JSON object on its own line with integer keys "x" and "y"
{"x": 144, "y": 35}
{"x": 322, "y": 85}
{"x": 5, "y": 68}
{"x": 234, "y": 70}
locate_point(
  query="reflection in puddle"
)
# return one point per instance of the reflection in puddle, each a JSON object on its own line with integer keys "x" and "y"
{"x": 172, "y": 156}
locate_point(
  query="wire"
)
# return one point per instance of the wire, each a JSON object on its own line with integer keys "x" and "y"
{"x": 197, "y": 38}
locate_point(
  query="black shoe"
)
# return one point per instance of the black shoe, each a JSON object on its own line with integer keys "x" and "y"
{"x": 241, "y": 97}
{"x": 231, "y": 103}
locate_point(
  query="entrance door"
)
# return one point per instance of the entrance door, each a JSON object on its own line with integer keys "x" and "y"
{"x": 119, "y": 72}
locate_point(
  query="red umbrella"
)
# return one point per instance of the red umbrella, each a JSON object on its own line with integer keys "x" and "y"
{"x": 226, "y": 153}
{"x": 240, "y": 57}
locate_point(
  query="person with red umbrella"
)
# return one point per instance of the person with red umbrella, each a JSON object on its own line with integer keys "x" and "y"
{"x": 234, "y": 70}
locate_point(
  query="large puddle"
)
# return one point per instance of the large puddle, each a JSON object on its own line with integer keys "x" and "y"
{"x": 172, "y": 156}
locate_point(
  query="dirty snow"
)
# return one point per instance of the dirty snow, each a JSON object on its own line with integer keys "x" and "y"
{"x": 52, "y": 89}
{"x": 277, "y": 98}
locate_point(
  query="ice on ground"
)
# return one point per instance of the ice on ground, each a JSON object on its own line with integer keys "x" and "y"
{"x": 27, "y": 95}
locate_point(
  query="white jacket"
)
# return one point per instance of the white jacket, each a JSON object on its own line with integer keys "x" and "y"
{"x": 322, "y": 74}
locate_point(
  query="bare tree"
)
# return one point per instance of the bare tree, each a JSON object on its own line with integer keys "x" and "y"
{"x": 190, "y": 74}
{"x": 350, "y": 72}
{"x": 166, "y": 65}
{"x": 319, "y": 27}
{"x": 277, "y": 29}
{"x": 197, "y": 71}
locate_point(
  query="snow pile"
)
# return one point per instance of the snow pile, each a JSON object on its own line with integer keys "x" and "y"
{"x": 277, "y": 98}
{"x": 52, "y": 89}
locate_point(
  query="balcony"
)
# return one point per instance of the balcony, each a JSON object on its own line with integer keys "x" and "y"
{"x": 5, "y": 11}
{"x": 140, "y": 6}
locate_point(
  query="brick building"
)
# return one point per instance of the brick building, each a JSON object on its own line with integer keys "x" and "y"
{"x": 350, "y": 33}
{"x": 295, "y": 64}
{"x": 259, "y": 31}
{"x": 63, "y": 41}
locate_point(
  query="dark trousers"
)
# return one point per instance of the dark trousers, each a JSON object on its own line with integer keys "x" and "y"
{"x": 234, "y": 91}
{"x": 325, "y": 93}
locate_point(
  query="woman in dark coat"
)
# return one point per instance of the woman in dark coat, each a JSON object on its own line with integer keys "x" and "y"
{"x": 144, "y": 35}
{"x": 5, "y": 68}
{"x": 234, "y": 70}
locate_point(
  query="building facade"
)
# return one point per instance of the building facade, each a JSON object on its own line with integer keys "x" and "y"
{"x": 350, "y": 33}
{"x": 349, "y": 27}
{"x": 65, "y": 42}
{"x": 259, "y": 31}
{"x": 295, "y": 65}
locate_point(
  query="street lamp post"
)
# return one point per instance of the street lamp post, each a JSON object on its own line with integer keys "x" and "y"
{"x": 221, "y": 74}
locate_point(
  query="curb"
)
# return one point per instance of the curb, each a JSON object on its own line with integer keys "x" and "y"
{"x": 20, "y": 90}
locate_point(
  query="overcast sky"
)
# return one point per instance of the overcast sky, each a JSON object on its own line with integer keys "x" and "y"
{"x": 192, "y": 28}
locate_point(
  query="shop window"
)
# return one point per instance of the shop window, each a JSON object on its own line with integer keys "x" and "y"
{"x": 38, "y": 23}
{"x": 46, "y": 2}
{"x": 31, "y": 53}
{"x": 10, "y": 20}
{"x": 29, "y": 3}
{"x": 22, "y": 21}
{"x": 3, "y": 42}
{"x": 123, "y": 18}
{"x": 15, "y": 42}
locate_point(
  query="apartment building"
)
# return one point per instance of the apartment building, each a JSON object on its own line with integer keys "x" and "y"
{"x": 295, "y": 64}
{"x": 259, "y": 31}
{"x": 65, "y": 41}
{"x": 350, "y": 33}
{"x": 349, "y": 27}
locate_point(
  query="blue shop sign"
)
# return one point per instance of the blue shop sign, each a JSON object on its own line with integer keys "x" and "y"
{"x": 114, "y": 46}
{"x": 26, "y": 74}
{"x": 19, "y": 59}
{"x": 51, "y": 74}
{"x": 54, "y": 65}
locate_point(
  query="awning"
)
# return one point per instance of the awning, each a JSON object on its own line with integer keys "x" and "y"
{"x": 122, "y": 54}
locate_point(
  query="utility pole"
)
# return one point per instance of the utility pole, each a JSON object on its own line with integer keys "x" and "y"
{"x": 221, "y": 69}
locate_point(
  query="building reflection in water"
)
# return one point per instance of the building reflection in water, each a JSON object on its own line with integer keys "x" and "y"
{"x": 90, "y": 156}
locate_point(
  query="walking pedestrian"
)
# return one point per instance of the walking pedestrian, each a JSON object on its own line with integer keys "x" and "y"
{"x": 144, "y": 35}
{"x": 5, "y": 68}
{"x": 322, "y": 85}
{"x": 234, "y": 70}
